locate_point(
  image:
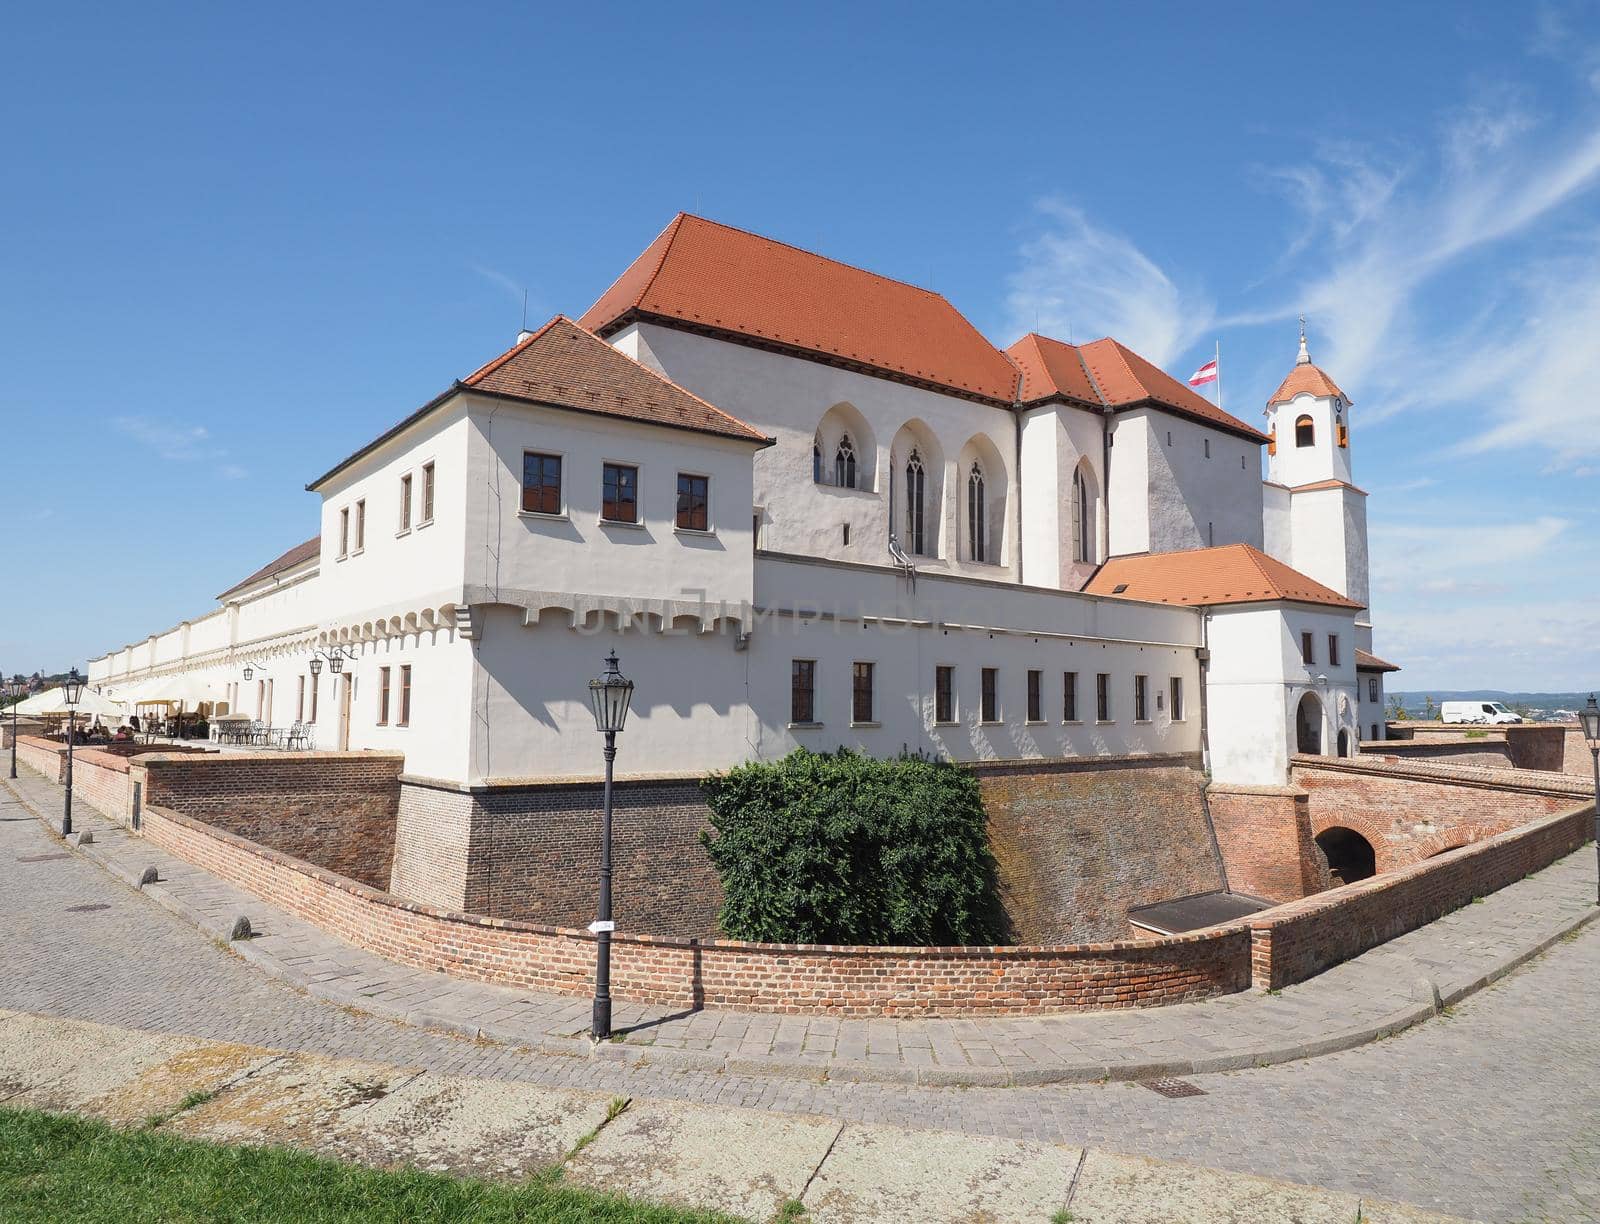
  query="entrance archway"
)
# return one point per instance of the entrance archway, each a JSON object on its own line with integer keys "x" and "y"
{"x": 1350, "y": 856}
{"x": 1308, "y": 726}
{"x": 1344, "y": 744}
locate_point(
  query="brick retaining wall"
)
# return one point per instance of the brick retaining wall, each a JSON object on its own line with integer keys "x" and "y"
{"x": 842, "y": 981}
{"x": 1297, "y": 941}
{"x": 1267, "y": 842}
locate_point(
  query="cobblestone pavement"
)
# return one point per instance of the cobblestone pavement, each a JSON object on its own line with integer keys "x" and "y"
{"x": 1492, "y": 1111}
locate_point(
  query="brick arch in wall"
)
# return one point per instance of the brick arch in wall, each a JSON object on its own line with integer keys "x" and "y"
{"x": 1377, "y": 837}
{"x": 1453, "y": 839}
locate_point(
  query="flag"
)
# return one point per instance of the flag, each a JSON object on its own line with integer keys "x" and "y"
{"x": 1205, "y": 374}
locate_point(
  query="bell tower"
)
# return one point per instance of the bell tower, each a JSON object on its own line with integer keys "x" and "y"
{"x": 1308, "y": 420}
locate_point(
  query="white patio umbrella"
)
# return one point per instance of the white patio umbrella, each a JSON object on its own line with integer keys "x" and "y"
{"x": 184, "y": 689}
{"x": 90, "y": 703}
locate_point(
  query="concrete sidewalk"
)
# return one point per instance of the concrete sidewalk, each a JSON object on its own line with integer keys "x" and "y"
{"x": 1381, "y": 992}
{"x": 742, "y": 1162}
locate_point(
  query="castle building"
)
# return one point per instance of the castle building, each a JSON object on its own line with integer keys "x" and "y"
{"x": 808, "y": 506}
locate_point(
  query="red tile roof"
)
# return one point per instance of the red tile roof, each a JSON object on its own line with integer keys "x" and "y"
{"x": 1367, "y": 661}
{"x": 568, "y": 366}
{"x": 1109, "y": 372}
{"x": 1304, "y": 379}
{"x": 298, "y": 555}
{"x": 728, "y": 280}
{"x": 1233, "y": 573}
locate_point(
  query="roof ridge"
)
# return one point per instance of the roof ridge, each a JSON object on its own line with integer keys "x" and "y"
{"x": 670, "y": 232}
{"x": 489, "y": 367}
{"x": 660, "y": 377}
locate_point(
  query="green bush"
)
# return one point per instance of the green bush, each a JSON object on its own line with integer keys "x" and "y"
{"x": 841, "y": 848}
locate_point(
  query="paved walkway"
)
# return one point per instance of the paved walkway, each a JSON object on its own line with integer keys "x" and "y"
{"x": 1492, "y": 1111}
{"x": 737, "y": 1161}
{"x": 1375, "y": 995}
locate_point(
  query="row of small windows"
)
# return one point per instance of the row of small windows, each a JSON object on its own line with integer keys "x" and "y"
{"x": 619, "y": 492}
{"x": 803, "y": 695}
{"x": 1308, "y": 648}
{"x": 353, "y": 518}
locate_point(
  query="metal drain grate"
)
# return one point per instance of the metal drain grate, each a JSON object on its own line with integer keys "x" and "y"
{"x": 1173, "y": 1087}
{"x": 42, "y": 858}
{"x": 86, "y": 909}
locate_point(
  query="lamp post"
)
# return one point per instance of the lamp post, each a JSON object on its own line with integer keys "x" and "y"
{"x": 1589, "y": 717}
{"x": 71, "y": 691}
{"x": 609, "y": 695}
{"x": 15, "y": 690}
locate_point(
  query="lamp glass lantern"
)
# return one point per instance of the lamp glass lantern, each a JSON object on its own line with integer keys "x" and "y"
{"x": 336, "y": 664}
{"x": 316, "y": 665}
{"x": 610, "y": 695}
{"x": 72, "y": 687}
{"x": 1589, "y": 719}
{"x": 249, "y": 671}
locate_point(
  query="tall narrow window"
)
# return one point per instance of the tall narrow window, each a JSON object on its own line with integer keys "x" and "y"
{"x": 1141, "y": 699}
{"x": 1372, "y": 691}
{"x": 405, "y": 502}
{"x": 1102, "y": 697}
{"x": 977, "y": 518}
{"x": 844, "y": 464}
{"x": 1083, "y": 533}
{"x": 361, "y": 524}
{"x": 816, "y": 460}
{"x": 916, "y": 488}
{"x": 383, "y": 696}
{"x": 1177, "y": 699}
{"x": 803, "y": 691}
{"x": 344, "y": 532}
{"x": 694, "y": 503}
{"x": 313, "y": 699}
{"x": 1308, "y": 648}
{"x": 1208, "y": 448}
{"x": 990, "y": 704}
{"x": 1035, "y": 696}
{"x": 1305, "y": 433}
{"x": 405, "y": 696}
{"x": 861, "y": 694}
{"x": 1069, "y": 696}
{"x": 1333, "y": 650}
{"x": 619, "y": 500}
{"x": 300, "y": 700}
{"x": 427, "y": 494}
{"x": 944, "y": 694}
{"x": 541, "y": 483}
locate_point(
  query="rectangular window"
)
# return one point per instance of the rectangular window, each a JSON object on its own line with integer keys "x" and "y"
{"x": 619, "y": 499}
{"x": 1177, "y": 699}
{"x": 990, "y": 711}
{"x": 314, "y": 698}
{"x": 1308, "y": 649}
{"x": 541, "y": 483}
{"x": 300, "y": 700}
{"x": 1208, "y": 448}
{"x": 1035, "y": 696}
{"x": 405, "y": 696}
{"x": 1141, "y": 711}
{"x": 383, "y": 696}
{"x": 693, "y": 503}
{"x": 361, "y": 524}
{"x": 405, "y": 502}
{"x": 1333, "y": 650}
{"x": 427, "y": 494}
{"x": 861, "y": 694}
{"x": 1069, "y": 696}
{"x": 803, "y": 691}
{"x": 344, "y": 532}
{"x": 944, "y": 694}
{"x": 1102, "y": 697}
{"x": 1372, "y": 691}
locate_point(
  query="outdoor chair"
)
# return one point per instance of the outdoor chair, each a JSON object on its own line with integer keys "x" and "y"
{"x": 299, "y": 737}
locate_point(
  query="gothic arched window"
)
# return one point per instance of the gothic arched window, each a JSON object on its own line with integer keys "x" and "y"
{"x": 1305, "y": 433}
{"x": 977, "y": 518}
{"x": 816, "y": 460}
{"x": 916, "y": 488}
{"x": 1083, "y": 544}
{"x": 844, "y": 464}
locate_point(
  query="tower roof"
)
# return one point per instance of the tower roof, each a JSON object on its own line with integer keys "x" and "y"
{"x": 1306, "y": 378}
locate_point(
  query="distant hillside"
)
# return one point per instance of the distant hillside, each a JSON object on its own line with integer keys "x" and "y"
{"x": 1539, "y": 701}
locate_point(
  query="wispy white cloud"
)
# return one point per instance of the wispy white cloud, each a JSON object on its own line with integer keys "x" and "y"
{"x": 179, "y": 443}
{"x": 1080, "y": 281}
{"x": 1463, "y": 555}
{"x": 516, "y": 292}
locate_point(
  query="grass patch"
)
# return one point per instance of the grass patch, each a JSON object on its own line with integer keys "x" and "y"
{"x": 189, "y": 1102}
{"x": 792, "y": 1209}
{"x": 61, "y": 1168}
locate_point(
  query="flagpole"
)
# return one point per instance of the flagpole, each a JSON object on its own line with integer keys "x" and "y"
{"x": 1219, "y": 375}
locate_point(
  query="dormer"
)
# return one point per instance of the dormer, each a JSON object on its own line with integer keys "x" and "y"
{"x": 1308, "y": 420}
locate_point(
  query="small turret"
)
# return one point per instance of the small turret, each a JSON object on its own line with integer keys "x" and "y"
{"x": 1308, "y": 420}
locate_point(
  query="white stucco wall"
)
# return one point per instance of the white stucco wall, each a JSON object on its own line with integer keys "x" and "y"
{"x": 1204, "y": 485}
{"x": 1324, "y": 460}
{"x": 1056, "y": 439}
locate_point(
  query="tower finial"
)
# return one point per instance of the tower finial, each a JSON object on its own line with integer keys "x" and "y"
{"x": 1305, "y": 357}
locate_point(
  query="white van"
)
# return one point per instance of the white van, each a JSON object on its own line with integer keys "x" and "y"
{"x": 1477, "y": 712}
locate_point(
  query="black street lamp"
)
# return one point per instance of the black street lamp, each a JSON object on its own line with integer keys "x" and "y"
{"x": 14, "y": 690}
{"x": 609, "y": 695}
{"x": 1589, "y": 717}
{"x": 71, "y": 692}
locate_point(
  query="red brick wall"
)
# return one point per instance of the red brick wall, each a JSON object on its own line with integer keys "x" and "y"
{"x": 1080, "y": 842}
{"x": 1410, "y": 810}
{"x": 335, "y": 809}
{"x": 1297, "y": 941}
{"x": 1266, "y": 839}
{"x": 1576, "y": 758}
{"x": 679, "y": 972}
{"x": 1486, "y": 753}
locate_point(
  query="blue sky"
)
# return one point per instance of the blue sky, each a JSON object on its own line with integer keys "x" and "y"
{"x": 240, "y": 241}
